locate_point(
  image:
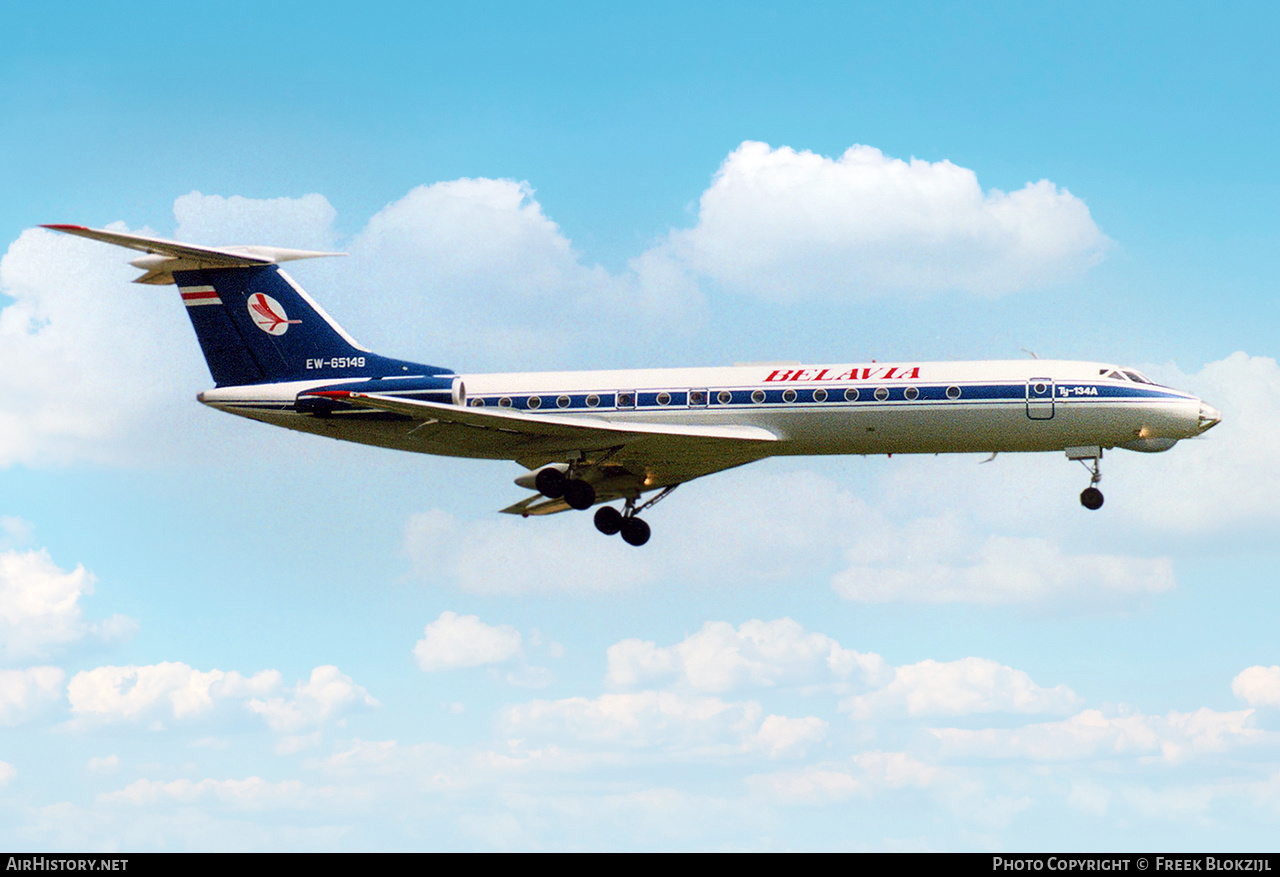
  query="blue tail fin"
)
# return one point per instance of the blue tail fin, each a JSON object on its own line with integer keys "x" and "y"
{"x": 255, "y": 325}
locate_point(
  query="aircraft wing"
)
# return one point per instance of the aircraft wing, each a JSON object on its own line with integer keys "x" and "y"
{"x": 632, "y": 455}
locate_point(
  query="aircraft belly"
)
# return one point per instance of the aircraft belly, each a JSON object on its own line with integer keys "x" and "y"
{"x": 894, "y": 428}
{"x": 976, "y": 428}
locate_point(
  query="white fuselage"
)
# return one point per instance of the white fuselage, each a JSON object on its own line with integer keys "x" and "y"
{"x": 862, "y": 408}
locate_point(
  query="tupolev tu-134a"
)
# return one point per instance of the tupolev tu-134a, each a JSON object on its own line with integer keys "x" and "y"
{"x": 595, "y": 437}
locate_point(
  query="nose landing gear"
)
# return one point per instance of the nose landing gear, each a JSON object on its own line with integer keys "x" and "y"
{"x": 1091, "y": 498}
{"x": 1091, "y": 459}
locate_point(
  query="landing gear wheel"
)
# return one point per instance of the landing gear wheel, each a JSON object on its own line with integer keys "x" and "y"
{"x": 550, "y": 483}
{"x": 579, "y": 494}
{"x": 608, "y": 520}
{"x": 1091, "y": 498}
{"x": 634, "y": 531}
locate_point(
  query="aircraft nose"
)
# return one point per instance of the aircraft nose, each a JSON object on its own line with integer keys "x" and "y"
{"x": 1209, "y": 418}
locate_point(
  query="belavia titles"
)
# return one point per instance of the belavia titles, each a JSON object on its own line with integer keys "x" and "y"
{"x": 595, "y": 437}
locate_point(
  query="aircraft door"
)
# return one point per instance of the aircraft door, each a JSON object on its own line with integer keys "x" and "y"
{"x": 1040, "y": 398}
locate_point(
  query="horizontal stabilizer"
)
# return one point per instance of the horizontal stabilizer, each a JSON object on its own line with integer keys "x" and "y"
{"x": 164, "y": 257}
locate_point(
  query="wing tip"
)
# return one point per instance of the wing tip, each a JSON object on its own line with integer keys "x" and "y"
{"x": 63, "y": 226}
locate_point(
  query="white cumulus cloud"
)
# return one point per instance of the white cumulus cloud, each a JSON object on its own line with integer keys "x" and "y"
{"x": 328, "y": 694}
{"x": 785, "y": 736}
{"x": 787, "y": 224}
{"x": 40, "y": 611}
{"x": 835, "y": 781}
{"x": 646, "y": 718}
{"x": 24, "y": 693}
{"x": 1228, "y": 479}
{"x": 1258, "y": 686}
{"x": 15, "y": 530}
{"x": 967, "y": 686}
{"x": 252, "y": 794}
{"x": 454, "y": 641}
{"x": 170, "y": 688}
{"x": 720, "y": 658}
{"x": 504, "y": 555}
{"x": 1093, "y": 734}
{"x": 939, "y": 560}
{"x": 174, "y": 690}
{"x": 213, "y": 220}
{"x": 86, "y": 359}
{"x": 666, "y": 720}
{"x": 475, "y": 267}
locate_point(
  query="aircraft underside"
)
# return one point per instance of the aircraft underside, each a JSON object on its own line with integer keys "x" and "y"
{"x": 976, "y": 429}
{"x": 569, "y": 473}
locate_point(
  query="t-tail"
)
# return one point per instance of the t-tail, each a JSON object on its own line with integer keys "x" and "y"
{"x": 255, "y": 325}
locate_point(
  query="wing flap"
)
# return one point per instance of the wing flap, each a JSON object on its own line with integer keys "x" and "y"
{"x": 642, "y": 455}
{"x": 537, "y": 504}
{"x": 595, "y": 431}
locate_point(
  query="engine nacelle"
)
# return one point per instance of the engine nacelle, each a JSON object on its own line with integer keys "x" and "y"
{"x": 528, "y": 480}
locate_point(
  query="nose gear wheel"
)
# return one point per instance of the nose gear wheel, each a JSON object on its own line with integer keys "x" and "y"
{"x": 1091, "y": 496}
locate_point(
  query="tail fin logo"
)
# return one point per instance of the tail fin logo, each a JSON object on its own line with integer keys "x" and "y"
{"x": 269, "y": 315}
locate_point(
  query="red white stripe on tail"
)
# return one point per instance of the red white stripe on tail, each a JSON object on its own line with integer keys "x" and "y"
{"x": 193, "y": 296}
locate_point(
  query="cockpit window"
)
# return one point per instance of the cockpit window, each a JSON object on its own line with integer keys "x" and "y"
{"x": 1138, "y": 376}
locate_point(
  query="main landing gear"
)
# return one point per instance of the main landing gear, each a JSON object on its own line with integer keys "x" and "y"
{"x": 554, "y": 483}
{"x": 635, "y": 531}
{"x": 610, "y": 521}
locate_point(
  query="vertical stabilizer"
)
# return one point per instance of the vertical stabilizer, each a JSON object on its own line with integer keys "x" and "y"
{"x": 254, "y": 324}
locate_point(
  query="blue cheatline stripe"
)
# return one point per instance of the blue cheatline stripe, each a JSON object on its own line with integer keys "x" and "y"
{"x": 742, "y": 397}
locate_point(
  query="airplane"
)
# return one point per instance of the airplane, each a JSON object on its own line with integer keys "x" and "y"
{"x": 589, "y": 438}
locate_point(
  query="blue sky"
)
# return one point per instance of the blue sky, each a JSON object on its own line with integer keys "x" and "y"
{"x": 218, "y": 636}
